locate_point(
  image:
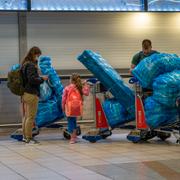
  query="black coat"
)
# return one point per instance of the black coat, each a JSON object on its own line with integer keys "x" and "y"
{"x": 31, "y": 78}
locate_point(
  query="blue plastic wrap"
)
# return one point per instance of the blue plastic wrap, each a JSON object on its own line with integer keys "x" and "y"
{"x": 109, "y": 78}
{"x": 166, "y": 88}
{"x": 115, "y": 113}
{"x": 158, "y": 115}
{"x": 48, "y": 112}
{"x": 15, "y": 67}
{"x": 47, "y": 69}
{"x": 151, "y": 67}
{"x": 45, "y": 92}
{"x": 51, "y": 110}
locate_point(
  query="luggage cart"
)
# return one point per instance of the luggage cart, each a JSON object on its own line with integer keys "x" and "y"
{"x": 142, "y": 131}
{"x": 101, "y": 129}
{"x": 18, "y": 135}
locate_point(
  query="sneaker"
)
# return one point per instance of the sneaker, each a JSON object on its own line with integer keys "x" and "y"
{"x": 31, "y": 141}
{"x": 24, "y": 139}
{"x": 72, "y": 141}
{"x": 75, "y": 138}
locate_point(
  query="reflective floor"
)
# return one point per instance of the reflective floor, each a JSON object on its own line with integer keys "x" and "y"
{"x": 114, "y": 158}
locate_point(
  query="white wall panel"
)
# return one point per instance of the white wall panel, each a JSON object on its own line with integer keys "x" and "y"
{"x": 9, "y": 53}
{"x": 117, "y": 36}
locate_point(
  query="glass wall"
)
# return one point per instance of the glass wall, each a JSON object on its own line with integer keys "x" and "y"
{"x": 164, "y": 5}
{"x": 91, "y": 5}
{"x": 13, "y": 4}
{"x": 87, "y": 5}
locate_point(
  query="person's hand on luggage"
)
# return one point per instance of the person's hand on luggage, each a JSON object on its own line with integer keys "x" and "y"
{"x": 84, "y": 82}
{"x": 45, "y": 78}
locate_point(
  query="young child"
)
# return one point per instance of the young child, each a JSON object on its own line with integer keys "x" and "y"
{"x": 72, "y": 103}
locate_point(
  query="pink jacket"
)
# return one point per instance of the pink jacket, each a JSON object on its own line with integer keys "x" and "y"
{"x": 65, "y": 94}
{"x": 85, "y": 91}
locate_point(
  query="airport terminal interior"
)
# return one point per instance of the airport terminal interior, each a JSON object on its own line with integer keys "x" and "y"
{"x": 90, "y": 89}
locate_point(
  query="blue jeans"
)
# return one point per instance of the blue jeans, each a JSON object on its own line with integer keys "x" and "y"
{"x": 72, "y": 125}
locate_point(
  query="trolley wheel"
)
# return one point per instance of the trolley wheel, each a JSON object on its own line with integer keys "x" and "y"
{"x": 92, "y": 141}
{"x": 163, "y": 135}
{"x": 146, "y": 135}
{"x": 66, "y": 134}
{"x": 92, "y": 138}
{"x": 134, "y": 136}
{"x": 105, "y": 133}
{"x": 104, "y": 136}
{"x": 78, "y": 131}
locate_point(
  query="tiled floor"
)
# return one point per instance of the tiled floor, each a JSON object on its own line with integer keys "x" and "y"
{"x": 114, "y": 158}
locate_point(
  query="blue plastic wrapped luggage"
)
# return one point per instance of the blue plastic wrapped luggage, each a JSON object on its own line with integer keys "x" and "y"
{"x": 47, "y": 69}
{"x": 49, "y": 108}
{"x": 115, "y": 113}
{"x": 109, "y": 78}
{"x": 48, "y": 112}
{"x": 151, "y": 67}
{"x": 166, "y": 88}
{"x": 45, "y": 65}
{"x": 158, "y": 115}
{"x": 45, "y": 92}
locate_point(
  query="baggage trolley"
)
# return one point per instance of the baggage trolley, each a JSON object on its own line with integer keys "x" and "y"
{"x": 101, "y": 129}
{"x": 142, "y": 131}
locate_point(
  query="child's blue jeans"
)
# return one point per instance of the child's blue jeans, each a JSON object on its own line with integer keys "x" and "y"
{"x": 72, "y": 125}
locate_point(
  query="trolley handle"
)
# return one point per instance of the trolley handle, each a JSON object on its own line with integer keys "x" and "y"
{"x": 133, "y": 80}
{"x": 92, "y": 81}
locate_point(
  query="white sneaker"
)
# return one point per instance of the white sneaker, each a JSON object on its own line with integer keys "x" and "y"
{"x": 24, "y": 139}
{"x": 31, "y": 141}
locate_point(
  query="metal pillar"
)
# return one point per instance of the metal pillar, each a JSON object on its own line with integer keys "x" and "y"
{"x": 145, "y": 5}
{"x": 22, "y": 33}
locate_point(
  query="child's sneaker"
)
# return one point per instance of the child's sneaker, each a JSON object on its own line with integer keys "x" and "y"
{"x": 72, "y": 141}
